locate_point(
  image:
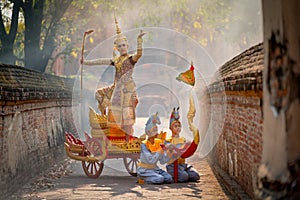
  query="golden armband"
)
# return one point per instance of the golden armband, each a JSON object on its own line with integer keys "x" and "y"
{"x": 139, "y": 52}
{"x": 100, "y": 61}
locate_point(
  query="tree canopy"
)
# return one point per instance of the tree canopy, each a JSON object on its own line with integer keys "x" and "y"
{"x": 35, "y": 33}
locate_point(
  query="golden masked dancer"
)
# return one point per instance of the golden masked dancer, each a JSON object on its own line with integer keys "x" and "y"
{"x": 121, "y": 97}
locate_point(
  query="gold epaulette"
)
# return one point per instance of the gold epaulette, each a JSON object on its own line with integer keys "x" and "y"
{"x": 169, "y": 139}
{"x": 144, "y": 141}
{"x": 175, "y": 141}
{"x": 156, "y": 140}
{"x": 153, "y": 147}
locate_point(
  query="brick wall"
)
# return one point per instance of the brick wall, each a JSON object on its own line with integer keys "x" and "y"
{"x": 238, "y": 93}
{"x": 35, "y": 111}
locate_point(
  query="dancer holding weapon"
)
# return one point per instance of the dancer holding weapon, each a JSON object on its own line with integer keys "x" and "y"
{"x": 123, "y": 99}
{"x": 81, "y": 60}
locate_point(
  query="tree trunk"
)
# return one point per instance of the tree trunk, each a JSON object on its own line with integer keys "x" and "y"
{"x": 37, "y": 54}
{"x": 33, "y": 15}
{"x": 49, "y": 43}
{"x": 6, "y": 53}
{"x": 7, "y": 39}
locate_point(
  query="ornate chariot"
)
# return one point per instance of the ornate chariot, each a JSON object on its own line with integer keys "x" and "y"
{"x": 106, "y": 143}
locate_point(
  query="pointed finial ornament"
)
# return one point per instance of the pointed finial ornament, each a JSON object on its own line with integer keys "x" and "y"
{"x": 120, "y": 37}
{"x": 192, "y": 66}
{"x": 118, "y": 30}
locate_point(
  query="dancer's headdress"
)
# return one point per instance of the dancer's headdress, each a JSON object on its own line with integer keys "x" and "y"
{"x": 174, "y": 117}
{"x": 120, "y": 37}
{"x": 151, "y": 127}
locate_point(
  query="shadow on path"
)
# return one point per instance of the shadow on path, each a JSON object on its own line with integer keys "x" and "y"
{"x": 117, "y": 184}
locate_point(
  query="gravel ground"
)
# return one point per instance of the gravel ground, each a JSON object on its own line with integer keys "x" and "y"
{"x": 43, "y": 182}
{"x": 68, "y": 181}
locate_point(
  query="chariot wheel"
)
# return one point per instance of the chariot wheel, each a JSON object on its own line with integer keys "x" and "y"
{"x": 95, "y": 147}
{"x": 92, "y": 169}
{"x": 131, "y": 165}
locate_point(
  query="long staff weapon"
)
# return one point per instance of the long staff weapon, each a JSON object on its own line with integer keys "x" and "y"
{"x": 81, "y": 61}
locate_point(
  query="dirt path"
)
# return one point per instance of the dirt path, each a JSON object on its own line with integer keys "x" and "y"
{"x": 70, "y": 182}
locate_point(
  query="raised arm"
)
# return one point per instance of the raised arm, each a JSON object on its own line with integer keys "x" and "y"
{"x": 100, "y": 61}
{"x": 139, "y": 51}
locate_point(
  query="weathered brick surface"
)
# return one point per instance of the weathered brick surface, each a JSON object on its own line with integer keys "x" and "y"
{"x": 237, "y": 96}
{"x": 19, "y": 83}
{"x": 35, "y": 110}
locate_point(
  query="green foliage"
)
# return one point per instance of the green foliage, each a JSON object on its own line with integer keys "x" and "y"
{"x": 206, "y": 21}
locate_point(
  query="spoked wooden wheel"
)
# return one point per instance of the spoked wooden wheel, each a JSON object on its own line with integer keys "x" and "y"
{"x": 131, "y": 165}
{"x": 92, "y": 169}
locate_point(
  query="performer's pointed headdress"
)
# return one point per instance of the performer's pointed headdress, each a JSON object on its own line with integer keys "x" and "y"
{"x": 187, "y": 76}
{"x": 151, "y": 127}
{"x": 174, "y": 117}
{"x": 120, "y": 37}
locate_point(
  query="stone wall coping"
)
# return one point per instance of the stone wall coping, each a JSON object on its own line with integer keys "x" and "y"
{"x": 242, "y": 73}
{"x": 19, "y": 84}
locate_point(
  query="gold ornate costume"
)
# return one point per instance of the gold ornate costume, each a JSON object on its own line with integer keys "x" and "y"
{"x": 123, "y": 100}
